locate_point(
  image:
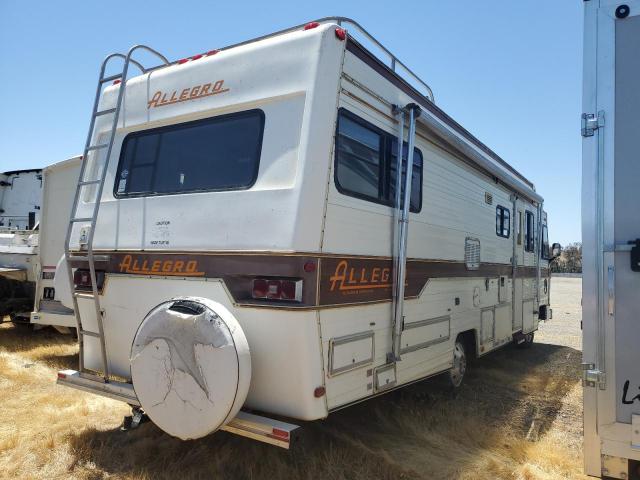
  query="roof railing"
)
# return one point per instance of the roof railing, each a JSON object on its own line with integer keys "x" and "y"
{"x": 355, "y": 30}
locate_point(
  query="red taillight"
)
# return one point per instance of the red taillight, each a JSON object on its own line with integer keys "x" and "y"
{"x": 212, "y": 52}
{"x": 310, "y": 267}
{"x": 82, "y": 279}
{"x": 319, "y": 392}
{"x": 183, "y": 60}
{"x": 279, "y": 433}
{"x": 341, "y": 33}
{"x": 277, "y": 289}
{"x": 62, "y": 375}
{"x": 311, "y": 25}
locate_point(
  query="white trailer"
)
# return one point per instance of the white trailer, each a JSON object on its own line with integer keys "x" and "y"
{"x": 59, "y": 185}
{"x": 20, "y": 199}
{"x": 611, "y": 239}
{"x": 241, "y": 238}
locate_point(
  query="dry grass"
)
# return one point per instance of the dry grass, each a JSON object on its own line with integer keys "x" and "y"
{"x": 517, "y": 417}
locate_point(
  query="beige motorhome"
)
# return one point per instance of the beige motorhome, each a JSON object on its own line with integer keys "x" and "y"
{"x": 247, "y": 239}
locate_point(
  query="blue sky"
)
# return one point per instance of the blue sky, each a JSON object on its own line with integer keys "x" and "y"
{"x": 509, "y": 71}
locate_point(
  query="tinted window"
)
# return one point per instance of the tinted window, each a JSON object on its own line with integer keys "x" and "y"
{"x": 529, "y": 238}
{"x": 219, "y": 153}
{"x": 366, "y": 163}
{"x": 546, "y": 254}
{"x": 503, "y": 221}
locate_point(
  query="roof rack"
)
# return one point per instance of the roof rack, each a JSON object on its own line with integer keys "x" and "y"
{"x": 355, "y": 30}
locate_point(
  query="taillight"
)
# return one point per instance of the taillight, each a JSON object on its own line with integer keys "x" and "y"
{"x": 277, "y": 289}
{"x": 311, "y": 25}
{"x": 82, "y": 279}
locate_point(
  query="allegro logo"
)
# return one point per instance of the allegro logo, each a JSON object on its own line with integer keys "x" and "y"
{"x": 353, "y": 278}
{"x": 143, "y": 266}
{"x": 160, "y": 99}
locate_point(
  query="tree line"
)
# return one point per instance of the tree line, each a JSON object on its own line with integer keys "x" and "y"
{"x": 570, "y": 261}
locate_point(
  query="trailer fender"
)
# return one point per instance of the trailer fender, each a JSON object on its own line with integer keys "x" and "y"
{"x": 190, "y": 366}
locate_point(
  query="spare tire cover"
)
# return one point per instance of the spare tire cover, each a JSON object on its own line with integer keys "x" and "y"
{"x": 190, "y": 366}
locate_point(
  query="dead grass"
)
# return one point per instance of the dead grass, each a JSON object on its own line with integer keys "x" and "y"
{"x": 517, "y": 417}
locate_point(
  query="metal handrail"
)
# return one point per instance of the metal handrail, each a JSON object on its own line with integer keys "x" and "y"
{"x": 393, "y": 61}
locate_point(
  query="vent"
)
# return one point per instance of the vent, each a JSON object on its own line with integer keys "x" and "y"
{"x": 488, "y": 198}
{"x": 472, "y": 253}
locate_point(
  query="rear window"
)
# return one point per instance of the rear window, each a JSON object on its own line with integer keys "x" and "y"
{"x": 219, "y": 153}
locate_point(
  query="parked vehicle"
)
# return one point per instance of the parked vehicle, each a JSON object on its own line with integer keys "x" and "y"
{"x": 611, "y": 239}
{"x": 18, "y": 259}
{"x": 241, "y": 237}
{"x": 59, "y": 184}
{"x": 20, "y": 199}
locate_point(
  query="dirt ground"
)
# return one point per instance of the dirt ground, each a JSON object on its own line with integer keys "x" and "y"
{"x": 518, "y": 416}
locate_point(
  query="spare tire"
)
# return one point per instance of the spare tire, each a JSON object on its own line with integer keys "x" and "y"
{"x": 190, "y": 366}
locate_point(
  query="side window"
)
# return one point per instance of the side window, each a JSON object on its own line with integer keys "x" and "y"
{"x": 365, "y": 163}
{"x": 359, "y": 159}
{"x": 529, "y": 235}
{"x": 545, "y": 253}
{"x": 503, "y": 221}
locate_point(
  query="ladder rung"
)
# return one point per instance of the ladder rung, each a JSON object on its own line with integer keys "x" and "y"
{"x": 105, "y": 112}
{"x": 90, "y": 334}
{"x": 89, "y": 182}
{"x": 97, "y": 147}
{"x": 82, "y": 219}
{"x": 112, "y": 77}
{"x": 83, "y": 295}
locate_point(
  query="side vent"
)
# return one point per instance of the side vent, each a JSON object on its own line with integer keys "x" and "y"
{"x": 488, "y": 198}
{"x": 472, "y": 253}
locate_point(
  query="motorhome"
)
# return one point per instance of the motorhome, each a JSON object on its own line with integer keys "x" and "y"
{"x": 20, "y": 199}
{"x": 59, "y": 184}
{"x": 611, "y": 239}
{"x": 287, "y": 226}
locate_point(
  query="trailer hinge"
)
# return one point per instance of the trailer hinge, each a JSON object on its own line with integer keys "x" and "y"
{"x": 591, "y": 376}
{"x": 591, "y": 123}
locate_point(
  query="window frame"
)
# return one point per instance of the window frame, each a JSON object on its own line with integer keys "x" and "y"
{"x": 529, "y": 233}
{"x": 384, "y": 186}
{"x": 185, "y": 125}
{"x": 502, "y": 210}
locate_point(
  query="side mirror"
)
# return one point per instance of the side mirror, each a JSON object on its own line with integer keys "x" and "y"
{"x": 556, "y": 250}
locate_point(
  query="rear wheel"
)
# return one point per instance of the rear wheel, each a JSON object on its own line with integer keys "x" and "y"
{"x": 459, "y": 368}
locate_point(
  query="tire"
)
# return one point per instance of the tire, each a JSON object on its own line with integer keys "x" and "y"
{"x": 528, "y": 341}
{"x": 455, "y": 376}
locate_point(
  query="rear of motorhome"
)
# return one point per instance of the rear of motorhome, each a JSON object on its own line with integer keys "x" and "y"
{"x": 611, "y": 239}
{"x": 59, "y": 185}
{"x": 285, "y": 227}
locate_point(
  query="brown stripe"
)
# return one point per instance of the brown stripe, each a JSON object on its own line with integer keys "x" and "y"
{"x": 342, "y": 279}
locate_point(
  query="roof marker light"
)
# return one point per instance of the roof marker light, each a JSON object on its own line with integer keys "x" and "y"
{"x": 341, "y": 33}
{"x": 116, "y": 82}
{"x": 211, "y": 52}
{"x": 196, "y": 57}
{"x": 311, "y": 25}
{"x": 310, "y": 266}
{"x": 183, "y": 60}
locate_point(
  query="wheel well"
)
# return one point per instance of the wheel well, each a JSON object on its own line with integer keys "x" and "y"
{"x": 469, "y": 341}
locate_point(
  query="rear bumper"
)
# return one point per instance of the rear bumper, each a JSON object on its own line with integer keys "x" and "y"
{"x": 256, "y": 427}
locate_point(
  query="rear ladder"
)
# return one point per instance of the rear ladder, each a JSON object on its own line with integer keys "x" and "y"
{"x": 86, "y": 255}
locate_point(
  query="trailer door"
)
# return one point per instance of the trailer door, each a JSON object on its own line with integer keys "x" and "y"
{"x": 626, "y": 219}
{"x": 611, "y": 282}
